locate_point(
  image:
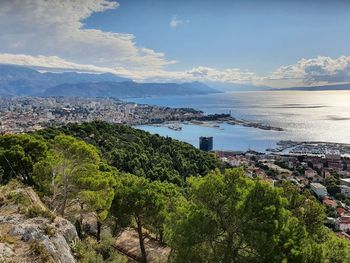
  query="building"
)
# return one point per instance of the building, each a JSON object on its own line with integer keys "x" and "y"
{"x": 345, "y": 181}
{"x": 330, "y": 203}
{"x": 319, "y": 189}
{"x": 343, "y": 223}
{"x": 206, "y": 143}
{"x": 333, "y": 155}
{"x": 310, "y": 174}
{"x": 345, "y": 190}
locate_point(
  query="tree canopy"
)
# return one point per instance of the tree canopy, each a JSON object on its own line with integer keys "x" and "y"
{"x": 141, "y": 153}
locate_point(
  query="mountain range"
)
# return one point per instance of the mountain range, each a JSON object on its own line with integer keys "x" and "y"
{"x": 23, "y": 81}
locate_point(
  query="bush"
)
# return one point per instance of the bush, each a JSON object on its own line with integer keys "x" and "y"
{"x": 91, "y": 251}
{"x": 39, "y": 250}
{"x": 7, "y": 239}
{"x": 36, "y": 211}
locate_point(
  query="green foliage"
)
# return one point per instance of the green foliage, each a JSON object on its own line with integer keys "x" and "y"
{"x": 18, "y": 154}
{"x": 146, "y": 203}
{"x": 220, "y": 217}
{"x": 140, "y": 153}
{"x": 67, "y": 169}
{"x": 230, "y": 218}
{"x": 36, "y": 211}
{"x": 91, "y": 251}
{"x": 332, "y": 184}
{"x": 306, "y": 208}
{"x": 39, "y": 251}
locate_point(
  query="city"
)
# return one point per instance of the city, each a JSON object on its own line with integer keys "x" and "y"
{"x": 25, "y": 114}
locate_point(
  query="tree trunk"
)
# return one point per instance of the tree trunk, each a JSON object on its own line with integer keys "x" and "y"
{"x": 161, "y": 236}
{"x": 98, "y": 235}
{"x": 65, "y": 189}
{"x": 141, "y": 240}
{"x": 78, "y": 228}
{"x": 79, "y": 222}
{"x": 64, "y": 204}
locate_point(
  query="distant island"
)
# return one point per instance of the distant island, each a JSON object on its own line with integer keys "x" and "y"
{"x": 319, "y": 88}
{"x": 23, "y": 81}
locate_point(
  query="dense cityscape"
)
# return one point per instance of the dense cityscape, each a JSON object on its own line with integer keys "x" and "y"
{"x": 24, "y": 114}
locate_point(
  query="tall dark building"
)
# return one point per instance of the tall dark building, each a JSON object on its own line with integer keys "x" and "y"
{"x": 206, "y": 143}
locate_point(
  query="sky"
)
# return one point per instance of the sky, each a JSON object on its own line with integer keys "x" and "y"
{"x": 266, "y": 43}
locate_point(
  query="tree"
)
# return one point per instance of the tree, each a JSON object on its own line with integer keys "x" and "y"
{"x": 230, "y": 218}
{"x": 305, "y": 207}
{"x": 97, "y": 193}
{"x": 18, "y": 154}
{"x": 69, "y": 162}
{"x": 140, "y": 153}
{"x": 332, "y": 184}
{"x": 144, "y": 202}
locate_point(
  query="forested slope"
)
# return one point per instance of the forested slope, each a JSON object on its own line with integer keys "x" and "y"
{"x": 141, "y": 153}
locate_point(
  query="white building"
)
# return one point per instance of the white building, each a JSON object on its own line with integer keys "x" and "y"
{"x": 345, "y": 181}
{"x": 319, "y": 189}
{"x": 333, "y": 155}
{"x": 345, "y": 190}
{"x": 343, "y": 223}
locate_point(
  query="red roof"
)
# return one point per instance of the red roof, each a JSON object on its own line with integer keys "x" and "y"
{"x": 340, "y": 210}
{"x": 330, "y": 202}
{"x": 345, "y": 220}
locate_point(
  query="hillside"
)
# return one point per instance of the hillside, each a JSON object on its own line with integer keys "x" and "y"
{"x": 127, "y": 89}
{"x": 154, "y": 199}
{"x": 22, "y": 81}
{"x": 29, "y": 232}
{"x": 141, "y": 153}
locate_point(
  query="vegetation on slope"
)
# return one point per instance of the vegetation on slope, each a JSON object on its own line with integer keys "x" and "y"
{"x": 170, "y": 191}
{"x": 141, "y": 153}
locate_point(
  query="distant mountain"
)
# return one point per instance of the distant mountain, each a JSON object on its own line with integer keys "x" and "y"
{"x": 128, "y": 89}
{"x": 227, "y": 87}
{"x": 23, "y": 81}
{"x": 318, "y": 88}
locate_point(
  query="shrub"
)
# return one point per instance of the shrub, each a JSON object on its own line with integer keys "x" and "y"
{"x": 36, "y": 211}
{"x": 7, "y": 239}
{"x": 39, "y": 251}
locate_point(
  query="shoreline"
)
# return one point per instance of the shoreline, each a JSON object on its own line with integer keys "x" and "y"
{"x": 206, "y": 120}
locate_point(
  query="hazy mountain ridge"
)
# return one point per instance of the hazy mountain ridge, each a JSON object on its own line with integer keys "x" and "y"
{"x": 127, "y": 89}
{"x": 319, "y": 88}
{"x": 23, "y": 81}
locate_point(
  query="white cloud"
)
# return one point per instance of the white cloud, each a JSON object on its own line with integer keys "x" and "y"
{"x": 57, "y": 63}
{"x": 56, "y": 28}
{"x": 175, "y": 22}
{"x": 315, "y": 71}
{"x": 204, "y": 74}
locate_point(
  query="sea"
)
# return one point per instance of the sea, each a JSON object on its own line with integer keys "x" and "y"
{"x": 304, "y": 116}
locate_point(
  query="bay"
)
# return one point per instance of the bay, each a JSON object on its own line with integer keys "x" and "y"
{"x": 304, "y": 116}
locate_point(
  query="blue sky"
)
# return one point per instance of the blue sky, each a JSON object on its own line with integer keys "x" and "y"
{"x": 252, "y": 35}
{"x": 274, "y": 43}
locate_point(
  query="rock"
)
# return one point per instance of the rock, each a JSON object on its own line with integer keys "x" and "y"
{"x": 53, "y": 238}
{"x": 63, "y": 254}
{"x": 5, "y": 251}
{"x": 66, "y": 228}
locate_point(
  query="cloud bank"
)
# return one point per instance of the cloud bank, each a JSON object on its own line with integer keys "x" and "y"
{"x": 315, "y": 71}
{"x": 56, "y": 28}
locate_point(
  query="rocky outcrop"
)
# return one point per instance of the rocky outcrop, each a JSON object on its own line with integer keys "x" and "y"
{"x": 29, "y": 232}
